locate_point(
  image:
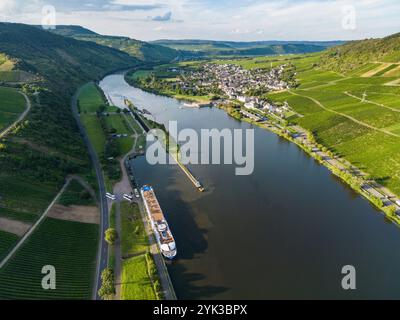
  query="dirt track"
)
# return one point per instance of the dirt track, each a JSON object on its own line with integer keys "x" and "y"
{"x": 13, "y": 226}
{"x": 82, "y": 214}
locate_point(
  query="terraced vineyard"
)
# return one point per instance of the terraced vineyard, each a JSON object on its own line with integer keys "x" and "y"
{"x": 7, "y": 241}
{"x": 69, "y": 246}
{"x": 356, "y": 116}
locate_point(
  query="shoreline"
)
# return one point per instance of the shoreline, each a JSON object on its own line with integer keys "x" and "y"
{"x": 334, "y": 170}
{"x": 356, "y": 186}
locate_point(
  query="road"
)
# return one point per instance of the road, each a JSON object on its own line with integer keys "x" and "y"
{"x": 4, "y": 132}
{"x": 102, "y": 261}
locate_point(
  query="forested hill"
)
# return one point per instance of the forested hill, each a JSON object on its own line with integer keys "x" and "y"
{"x": 141, "y": 50}
{"x": 230, "y": 48}
{"x": 46, "y": 147}
{"x": 62, "y": 61}
{"x": 355, "y": 54}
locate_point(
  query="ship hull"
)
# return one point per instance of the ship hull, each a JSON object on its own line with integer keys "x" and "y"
{"x": 163, "y": 237}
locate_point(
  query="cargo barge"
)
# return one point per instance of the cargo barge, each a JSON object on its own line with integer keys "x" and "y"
{"x": 162, "y": 232}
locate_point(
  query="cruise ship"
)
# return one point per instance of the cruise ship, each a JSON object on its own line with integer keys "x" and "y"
{"x": 163, "y": 234}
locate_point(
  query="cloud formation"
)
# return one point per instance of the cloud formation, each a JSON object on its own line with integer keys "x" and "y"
{"x": 220, "y": 20}
{"x": 166, "y": 17}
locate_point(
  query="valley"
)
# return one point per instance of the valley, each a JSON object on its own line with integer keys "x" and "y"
{"x": 73, "y": 107}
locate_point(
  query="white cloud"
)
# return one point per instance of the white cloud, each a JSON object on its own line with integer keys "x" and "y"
{"x": 231, "y": 20}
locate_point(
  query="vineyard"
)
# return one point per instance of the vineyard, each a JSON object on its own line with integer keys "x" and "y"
{"x": 68, "y": 246}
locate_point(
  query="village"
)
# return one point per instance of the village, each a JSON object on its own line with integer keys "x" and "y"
{"x": 234, "y": 84}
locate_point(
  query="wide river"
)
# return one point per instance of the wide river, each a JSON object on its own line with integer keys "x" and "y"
{"x": 286, "y": 231}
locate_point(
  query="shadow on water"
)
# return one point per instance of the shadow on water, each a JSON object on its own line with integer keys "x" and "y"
{"x": 186, "y": 287}
{"x": 191, "y": 238}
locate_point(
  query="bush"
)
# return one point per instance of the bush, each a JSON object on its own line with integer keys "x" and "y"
{"x": 111, "y": 236}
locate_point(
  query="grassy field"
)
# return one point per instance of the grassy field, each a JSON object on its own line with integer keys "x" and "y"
{"x": 135, "y": 279}
{"x": 95, "y": 132}
{"x": 12, "y": 104}
{"x": 118, "y": 124}
{"x": 133, "y": 235}
{"x": 90, "y": 99}
{"x": 69, "y": 246}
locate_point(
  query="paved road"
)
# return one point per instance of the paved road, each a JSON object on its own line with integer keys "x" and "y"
{"x": 104, "y": 221}
{"x": 4, "y": 132}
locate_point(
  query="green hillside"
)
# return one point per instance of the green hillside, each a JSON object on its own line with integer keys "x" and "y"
{"x": 358, "y": 54}
{"x": 141, "y": 50}
{"x": 230, "y": 48}
{"x": 63, "y": 60}
{"x": 44, "y": 149}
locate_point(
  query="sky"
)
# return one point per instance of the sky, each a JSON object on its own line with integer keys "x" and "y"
{"x": 235, "y": 20}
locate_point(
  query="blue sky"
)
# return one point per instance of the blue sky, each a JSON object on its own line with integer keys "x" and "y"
{"x": 240, "y": 20}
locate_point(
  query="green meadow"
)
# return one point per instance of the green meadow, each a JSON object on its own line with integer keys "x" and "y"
{"x": 94, "y": 131}
{"x": 12, "y": 104}
{"x": 135, "y": 279}
{"x": 133, "y": 235}
{"x": 90, "y": 99}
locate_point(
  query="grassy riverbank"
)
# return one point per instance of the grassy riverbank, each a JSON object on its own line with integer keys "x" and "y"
{"x": 114, "y": 133}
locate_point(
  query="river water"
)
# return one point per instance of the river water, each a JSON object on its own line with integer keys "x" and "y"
{"x": 284, "y": 232}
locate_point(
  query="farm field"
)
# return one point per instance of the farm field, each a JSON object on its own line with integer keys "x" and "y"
{"x": 12, "y": 104}
{"x": 14, "y": 195}
{"x": 75, "y": 194}
{"x": 18, "y": 215}
{"x": 136, "y": 283}
{"x": 7, "y": 241}
{"x": 90, "y": 99}
{"x": 69, "y": 246}
{"x": 366, "y": 133}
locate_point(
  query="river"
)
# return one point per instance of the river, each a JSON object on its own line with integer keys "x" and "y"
{"x": 284, "y": 232}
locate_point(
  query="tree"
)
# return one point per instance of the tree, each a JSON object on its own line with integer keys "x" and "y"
{"x": 107, "y": 289}
{"x": 111, "y": 236}
{"x": 392, "y": 210}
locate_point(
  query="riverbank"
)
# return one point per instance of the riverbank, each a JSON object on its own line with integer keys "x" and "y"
{"x": 379, "y": 196}
{"x": 297, "y": 217}
{"x": 116, "y": 136}
{"x": 348, "y": 174}
{"x": 185, "y": 98}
